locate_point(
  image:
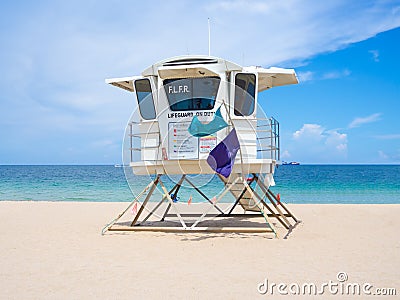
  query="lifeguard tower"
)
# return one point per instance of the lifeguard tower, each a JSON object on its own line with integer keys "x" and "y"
{"x": 200, "y": 115}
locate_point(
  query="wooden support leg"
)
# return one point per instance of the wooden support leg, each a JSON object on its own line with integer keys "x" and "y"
{"x": 213, "y": 204}
{"x": 172, "y": 204}
{"x": 176, "y": 187}
{"x": 261, "y": 209}
{"x": 109, "y": 225}
{"x": 265, "y": 191}
{"x": 271, "y": 211}
{"x": 166, "y": 212}
{"x": 237, "y": 201}
{"x": 155, "y": 182}
{"x": 169, "y": 205}
{"x": 283, "y": 206}
{"x": 204, "y": 196}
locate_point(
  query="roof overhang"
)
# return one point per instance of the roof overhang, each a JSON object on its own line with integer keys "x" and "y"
{"x": 125, "y": 83}
{"x": 187, "y": 66}
{"x": 273, "y": 77}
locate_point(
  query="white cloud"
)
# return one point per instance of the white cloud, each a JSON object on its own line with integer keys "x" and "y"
{"x": 305, "y": 76}
{"x": 294, "y": 30}
{"x": 309, "y": 131}
{"x": 357, "y": 122}
{"x": 313, "y": 143}
{"x": 310, "y": 75}
{"x": 336, "y": 74}
{"x": 391, "y": 156}
{"x": 375, "y": 55}
{"x": 336, "y": 140}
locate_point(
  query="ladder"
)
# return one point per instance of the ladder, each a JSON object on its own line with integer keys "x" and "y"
{"x": 240, "y": 192}
{"x": 253, "y": 201}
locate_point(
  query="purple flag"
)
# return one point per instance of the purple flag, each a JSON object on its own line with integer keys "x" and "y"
{"x": 222, "y": 157}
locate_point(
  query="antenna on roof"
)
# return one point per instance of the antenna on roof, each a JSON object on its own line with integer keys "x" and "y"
{"x": 209, "y": 38}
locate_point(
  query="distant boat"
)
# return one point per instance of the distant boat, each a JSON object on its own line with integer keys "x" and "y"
{"x": 118, "y": 166}
{"x": 292, "y": 163}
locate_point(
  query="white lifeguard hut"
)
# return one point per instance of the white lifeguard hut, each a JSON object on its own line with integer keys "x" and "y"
{"x": 169, "y": 95}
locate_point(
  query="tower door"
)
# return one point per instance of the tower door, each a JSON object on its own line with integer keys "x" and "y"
{"x": 148, "y": 127}
{"x": 243, "y": 108}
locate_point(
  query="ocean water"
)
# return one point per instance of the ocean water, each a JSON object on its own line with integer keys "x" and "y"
{"x": 296, "y": 184}
{"x": 339, "y": 183}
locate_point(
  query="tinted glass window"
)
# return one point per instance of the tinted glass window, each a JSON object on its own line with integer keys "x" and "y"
{"x": 245, "y": 90}
{"x": 145, "y": 99}
{"x": 192, "y": 93}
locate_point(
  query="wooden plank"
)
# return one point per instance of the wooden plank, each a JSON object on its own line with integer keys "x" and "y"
{"x": 265, "y": 191}
{"x": 126, "y": 209}
{"x": 262, "y": 211}
{"x": 175, "y": 190}
{"x": 272, "y": 212}
{"x": 247, "y": 215}
{"x": 226, "y": 190}
{"x": 171, "y": 202}
{"x": 283, "y": 206}
{"x": 155, "y": 182}
{"x": 195, "y": 229}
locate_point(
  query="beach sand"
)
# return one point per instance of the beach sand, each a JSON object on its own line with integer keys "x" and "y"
{"x": 54, "y": 250}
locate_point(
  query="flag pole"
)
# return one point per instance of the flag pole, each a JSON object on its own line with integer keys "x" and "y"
{"x": 209, "y": 38}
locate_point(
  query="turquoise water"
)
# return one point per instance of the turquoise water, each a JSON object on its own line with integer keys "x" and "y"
{"x": 339, "y": 183}
{"x": 296, "y": 184}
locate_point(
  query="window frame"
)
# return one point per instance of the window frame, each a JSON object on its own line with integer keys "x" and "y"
{"x": 239, "y": 113}
{"x": 141, "y": 100}
{"x": 214, "y": 99}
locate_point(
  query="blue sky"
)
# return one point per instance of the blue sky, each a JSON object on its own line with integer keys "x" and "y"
{"x": 55, "y": 55}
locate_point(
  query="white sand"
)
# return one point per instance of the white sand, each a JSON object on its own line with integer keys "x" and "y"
{"x": 53, "y": 250}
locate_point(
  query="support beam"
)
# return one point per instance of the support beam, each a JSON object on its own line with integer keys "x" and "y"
{"x": 214, "y": 204}
{"x": 109, "y": 225}
{"x": 287, "y": 226}
{"x": 204, "y": 196}
{"x": 176, "y": 186}
{"x": 265, "y": 191}
{"x": 261, "y": 210}
{"x": 283, "y": 206}
{"x": 155, "y": 182}
{"x": 171, "y": 202}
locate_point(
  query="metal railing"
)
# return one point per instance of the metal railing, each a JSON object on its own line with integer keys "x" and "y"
{"x": 268, "y": 139}
{"x": 135, "y": 142}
